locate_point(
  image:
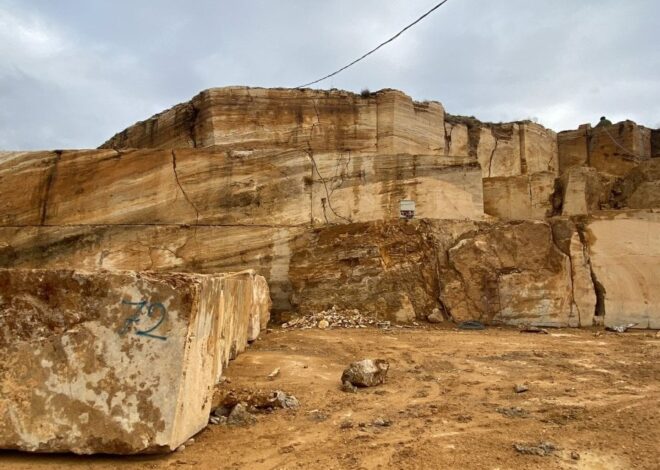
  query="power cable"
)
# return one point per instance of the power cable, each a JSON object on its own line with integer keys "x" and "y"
{"x": 377, "y": 47}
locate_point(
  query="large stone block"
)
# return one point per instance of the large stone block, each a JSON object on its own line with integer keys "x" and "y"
{"x": 624, "y": 248}
{"x": 116, "y": 362}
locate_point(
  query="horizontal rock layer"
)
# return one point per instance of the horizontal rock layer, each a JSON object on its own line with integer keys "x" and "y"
{"x": 206, "y": 187}
{"x": 117, "y": 362}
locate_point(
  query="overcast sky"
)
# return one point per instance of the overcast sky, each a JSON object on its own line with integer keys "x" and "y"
{"x": 72, "y": 73}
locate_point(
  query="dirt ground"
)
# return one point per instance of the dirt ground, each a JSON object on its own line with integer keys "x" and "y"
{"x": 450, "y": 399}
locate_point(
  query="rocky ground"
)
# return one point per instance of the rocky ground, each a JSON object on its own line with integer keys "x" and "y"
{"x": 450, "y": 401}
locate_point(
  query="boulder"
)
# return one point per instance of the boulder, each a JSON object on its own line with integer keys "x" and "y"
{"x": 115, "y": 362}
{"x": 366, "y": 373}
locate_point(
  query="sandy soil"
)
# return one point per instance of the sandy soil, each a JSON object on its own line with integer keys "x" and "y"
{"x": 597, "y": 397}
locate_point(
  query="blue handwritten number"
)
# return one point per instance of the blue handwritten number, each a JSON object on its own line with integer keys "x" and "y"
{"x": 151, "y": 312}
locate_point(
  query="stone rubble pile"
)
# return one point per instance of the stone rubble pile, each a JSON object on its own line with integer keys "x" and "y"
{"x": 334, "y": 318}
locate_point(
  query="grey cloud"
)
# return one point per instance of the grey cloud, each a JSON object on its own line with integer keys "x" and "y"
{"x": 73, "y": 73}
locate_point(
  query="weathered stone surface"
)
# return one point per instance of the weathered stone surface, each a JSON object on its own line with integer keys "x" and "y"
{"x": 114, "y": 362}
{"x": 624, "y": 249}
{"x": 384, "y": 269}
{"x": 206, "y": 187}
{"x": 573, "y": 148}
{"x": 640, "y": 187}
{"x": 366, "y": 373}
{"x": 614, "y": 150}
{"x": 584, "y": 293}
{"x": 509, "y": 149}
{"x": 242, "y": 118}
{"x": 618, "y": 148}
{"x": 364, "y": 188}
{"x": 203, "y": 249}
{"x": 509, "y": 273}
{"x": 584, "y": 191}
{"x": 520, "y": 197}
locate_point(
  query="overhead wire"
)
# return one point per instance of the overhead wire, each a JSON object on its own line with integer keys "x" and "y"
{"x": 377, "y": 47}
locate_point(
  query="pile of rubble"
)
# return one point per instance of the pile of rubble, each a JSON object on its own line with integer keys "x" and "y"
{"x": 335, "y": 318}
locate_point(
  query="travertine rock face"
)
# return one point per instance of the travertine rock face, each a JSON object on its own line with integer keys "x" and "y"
{"x": 512, "y": 274}
{"x": 202, "y": 249}
{"x": 384, "y": 269}
{"x": 640, "y": 187}
{"x": 508, "y": 273}
{"x": 203, "y": 187}
{"x": 584, "y": 191}
{"x": 613, "y": 150}
{"x": 625, "y": 251}
{"x": 520, "y": 197}
{"x": 116, "y": 362}
{"x": 241, "y": 118}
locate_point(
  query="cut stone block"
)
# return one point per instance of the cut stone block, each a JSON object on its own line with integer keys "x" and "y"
{"x": 116, "y": 362}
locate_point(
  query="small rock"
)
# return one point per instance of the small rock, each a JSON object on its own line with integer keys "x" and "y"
{"x": 240, "y": 416}
{"x": 512, "y": 412}
{"x": 284, "y": 400}
{"x": 190, "y": 441}
{"x": 323, "y": 324}
{"x": 382, "y": 422}
{"x": 346, "y": 424}
{"x": 366, "y": 373}
{"x": 348, "y": 387}
{"x": 520, "y": 388}
{"x": 534, "y": 329}
{"x": 575, "y": 455}
{"x": 317, "y": 415}
{"x": 435, "y": 316}
{"x": 221, "y": 411}
{"x": 181, "y": 448}
{"x": 274, "y": 374}
{"x": 542, "y": 449}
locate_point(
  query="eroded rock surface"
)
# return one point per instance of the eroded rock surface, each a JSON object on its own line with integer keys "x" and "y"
{"x": 625, "y": 256}
{"x": 115, "y": 362}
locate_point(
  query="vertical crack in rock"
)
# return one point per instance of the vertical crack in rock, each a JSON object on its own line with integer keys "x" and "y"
{"x": 185, "y": 195}
{"x": 448, "y": 137}
{"x": 492, "y": 154}
{"x": 310, "y": 155}
{"x": 43, "y": 213}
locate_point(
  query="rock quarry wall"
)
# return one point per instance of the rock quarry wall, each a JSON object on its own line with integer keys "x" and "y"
{"x": 303, "y": 186}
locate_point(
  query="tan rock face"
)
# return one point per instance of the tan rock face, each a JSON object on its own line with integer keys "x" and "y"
{"x": 613, "y": 150}
{"x": 386, "y": 270}
{"x": 241, "y": 118}
{"x": 278, "y": 188}
{"x": 520, "y": 197}
{"x": 115, "y": 362}
{"x": 509, "y": 273}
{"x": 584, "y": 191}
{"x": 624, "y": 249}
{"x": 640, "y": 187}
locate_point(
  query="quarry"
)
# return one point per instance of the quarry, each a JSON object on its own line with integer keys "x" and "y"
{"x": 189, "y": 293}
